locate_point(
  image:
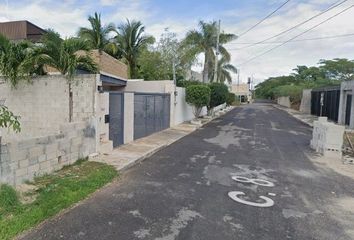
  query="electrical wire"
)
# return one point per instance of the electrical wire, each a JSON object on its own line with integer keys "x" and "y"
{"x": 336, "y": 4}
{"x": 299, "y": 40}
{"x": 302, "y": 33}
{"x": 265, "y": 18}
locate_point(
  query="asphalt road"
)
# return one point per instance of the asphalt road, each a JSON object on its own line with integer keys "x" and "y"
{"x": 182, "y": 192}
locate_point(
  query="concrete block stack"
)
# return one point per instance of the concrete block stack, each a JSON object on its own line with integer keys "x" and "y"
{"x": 327, "y": 138}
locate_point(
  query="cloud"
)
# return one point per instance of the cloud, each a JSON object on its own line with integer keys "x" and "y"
{"x": 61, "y": 17}
{"x": 282, "y": 60}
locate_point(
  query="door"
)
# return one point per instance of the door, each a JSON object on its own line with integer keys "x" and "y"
{"x": 348, "y": 109}
{"x": 116, "y": 118}
{"x": 151, "y": 113}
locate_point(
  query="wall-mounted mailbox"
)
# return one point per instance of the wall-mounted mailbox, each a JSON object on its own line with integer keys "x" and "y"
{"x": 106, "y": 118}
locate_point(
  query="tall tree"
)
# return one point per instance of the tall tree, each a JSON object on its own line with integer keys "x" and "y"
{"x": 203, "y": 41}
{"x": 131, "y": 40}
{"x": 16, "y": 60}
{"x": 98, "y": 35}
{"x": 225, "y": 68}
{"x": 67, "y": 56}
{"x": 338, "y": 69}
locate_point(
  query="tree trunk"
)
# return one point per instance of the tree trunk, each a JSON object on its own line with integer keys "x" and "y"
{"x": 206, "y": 70}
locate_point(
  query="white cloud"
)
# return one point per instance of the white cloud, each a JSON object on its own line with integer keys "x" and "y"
{"x": 282, "y": 60}
{"x": 62, "y": 17}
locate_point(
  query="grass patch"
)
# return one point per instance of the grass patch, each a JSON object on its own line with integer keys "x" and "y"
{"x": 54, "y": 193}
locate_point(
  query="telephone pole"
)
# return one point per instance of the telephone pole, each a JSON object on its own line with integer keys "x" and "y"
{"x": 217, "y": 53}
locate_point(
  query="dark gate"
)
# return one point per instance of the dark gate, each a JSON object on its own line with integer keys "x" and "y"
{"x": 348, "y": 109}
{"x": 151, "y": 113}
{"x": 116, "y": 118}
{"x": 328, "y": 105}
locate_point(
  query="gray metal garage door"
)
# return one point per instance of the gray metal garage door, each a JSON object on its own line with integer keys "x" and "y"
{"x": 151, "y": 113}
{"x": 116, "y": 114}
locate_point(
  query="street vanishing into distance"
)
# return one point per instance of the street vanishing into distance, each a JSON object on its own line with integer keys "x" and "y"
{"x": 249, "y": 174}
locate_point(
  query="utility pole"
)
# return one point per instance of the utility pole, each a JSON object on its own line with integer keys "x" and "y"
{"x": 217, "y": 53}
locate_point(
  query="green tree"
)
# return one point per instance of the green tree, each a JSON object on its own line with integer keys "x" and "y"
{"x": 198, "y": 96}
{"x": 203, "y": 41}
{"x": 9, "y": 120}
{"x": 340, "y": 69}
{"x": 225, "y": 68}
{"x": 151, "y": 66}
{"x": 16, "y": 60}
{"x": 67, "y": 56}
{"x": 131, "y": 41}
{"x": 98, "y": 35}
{"x": 218, "y": 95}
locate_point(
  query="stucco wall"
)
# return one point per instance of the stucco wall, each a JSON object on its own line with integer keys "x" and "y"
{"x": 183, "y": 111}
{"x": 149, "y": 86}
{"x": 44, "y": 103}
{"x": 305, "y": 106}
{"x": 284, "y": 101}
{"x": 22, "y": 160}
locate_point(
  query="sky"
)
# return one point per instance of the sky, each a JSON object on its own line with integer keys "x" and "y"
{"x": 237, "y": 16}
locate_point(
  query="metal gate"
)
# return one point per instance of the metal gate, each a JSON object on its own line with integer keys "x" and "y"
{"x": 325, "y": 102}
{"x": 116, "y": 118}
{"x": 348, "y": 109}
{"x": 151, "y": 113}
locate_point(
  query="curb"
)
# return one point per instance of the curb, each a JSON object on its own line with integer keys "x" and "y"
{"x": 159, "y": 148}
{"x": 297, "y": 118}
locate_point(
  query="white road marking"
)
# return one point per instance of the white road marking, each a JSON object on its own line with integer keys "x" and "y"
{"x": 235, "y": 196}
{"x": 260, "y": 182}
{"x": 272, "y": 194}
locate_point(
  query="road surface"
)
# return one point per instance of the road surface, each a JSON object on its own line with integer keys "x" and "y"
{"x": 246, "y": 175}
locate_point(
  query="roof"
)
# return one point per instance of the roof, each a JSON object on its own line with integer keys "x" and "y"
{"x": 21, "y": 30}
{"x": 114, "y": 81}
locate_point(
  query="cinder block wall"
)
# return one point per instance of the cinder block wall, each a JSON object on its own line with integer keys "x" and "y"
{"x": 284, "y": 101}
{"x": 23, "y": 160}
{"x": 43, "y": 104}
{"x": 305, "y": 106}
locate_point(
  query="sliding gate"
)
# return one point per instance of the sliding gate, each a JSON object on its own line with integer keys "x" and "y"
{"x": 151, "y": 113}
{"x": 325, "y": 102}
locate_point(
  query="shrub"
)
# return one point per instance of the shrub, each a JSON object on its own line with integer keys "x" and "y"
{"x": 231, "y": 98}
{"x": 186, "y": 83}
{"x": 218, "y": 94}
{"x": 198, "y": 96}
{"x": 293, "y": 91}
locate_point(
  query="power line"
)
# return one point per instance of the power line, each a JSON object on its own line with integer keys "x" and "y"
{"x": 336, "y": 4}
{"x": 299, "y": 40}
{"x": 257, "y": 56}
{"x": 266, "y": 17}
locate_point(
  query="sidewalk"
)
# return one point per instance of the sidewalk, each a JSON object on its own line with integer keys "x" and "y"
{"x": 132, "y": 153}
{"x": 303, "y": 117}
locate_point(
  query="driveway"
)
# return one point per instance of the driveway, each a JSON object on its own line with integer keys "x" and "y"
{"x": 247, "y": 175}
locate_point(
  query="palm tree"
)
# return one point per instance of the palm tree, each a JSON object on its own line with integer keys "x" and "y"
{"x": 16, "y": 60}
{"x": 131, "y": 40}
{"x": 67, "y": 56}
{"x": 204, "y": 41}
{"x": 224, "y": 70}
{"x": 98, "y": 35}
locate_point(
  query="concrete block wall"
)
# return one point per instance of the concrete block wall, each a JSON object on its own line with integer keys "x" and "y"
{"x": 305, "y": 105}
{"x": 43, "y": 104}
{"x": 23, "y": 160}
{"x": 284, "y": 101}
{"x": 327, "y": 138}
